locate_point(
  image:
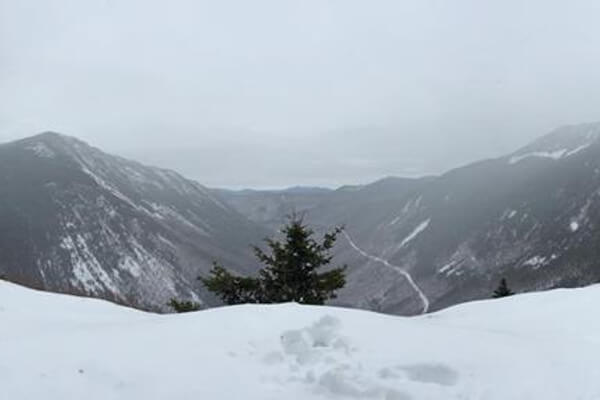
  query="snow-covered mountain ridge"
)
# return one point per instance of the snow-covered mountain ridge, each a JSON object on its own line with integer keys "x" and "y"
{"x": 536, "y": 346}
{"x": 532, "y": 216}
{"x": 74, "y": 219}
{"x": 563, "y": 142}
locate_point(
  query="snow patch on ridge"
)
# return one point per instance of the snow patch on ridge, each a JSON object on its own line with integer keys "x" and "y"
{"x": 536, "y": 261}
{"x": 41, "y": 150}
{"x": 554, "y": 155}
{"x": 578, "y": 149}
{"x": 508, "y": 214}
{"x": 411, "y": 204}
{"x": 450, "y": 268}
{"x": 420, "y": 228}
{"x": 539, "y": 261}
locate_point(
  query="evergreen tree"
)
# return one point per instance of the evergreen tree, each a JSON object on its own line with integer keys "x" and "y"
{"x": 183, "y": 306}
{"x": 230, "y": 288}
{"x": 290, "y": 272}
{"x": 502, "y": 290}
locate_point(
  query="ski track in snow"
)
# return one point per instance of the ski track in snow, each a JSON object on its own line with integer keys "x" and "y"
{"x": 396, "y": 268}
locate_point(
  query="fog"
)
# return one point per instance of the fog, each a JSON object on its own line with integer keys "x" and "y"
{"x": 314, "y": 92}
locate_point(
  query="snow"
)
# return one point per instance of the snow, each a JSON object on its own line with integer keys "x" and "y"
{"x": 534, "y": 346}
{"x": 508, "y": 214}
{"x": 112, "y": 190}
{"x": 411, "y": 204}
{"x": 420, "y": 228}
{"x": 87, "y": 270}
{"x": 578, "y": 149}
{"x": 395, "y": 220}
{"x": 41, "y": 150}
{"x": 554, "y": 155}
{"x": 452, "y": 267}
{"x": 162, "y": 212}
{"x": 536, "y": 261}
{"x": 131, "y": 265}
{"x": 574, "y": 226}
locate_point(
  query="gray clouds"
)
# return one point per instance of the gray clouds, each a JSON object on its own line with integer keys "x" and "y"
{"x": 275, "y": 93}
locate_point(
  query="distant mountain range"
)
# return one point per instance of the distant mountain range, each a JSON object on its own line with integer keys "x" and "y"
{"x": 272, "y": 207}
{"x": 74, "y": 219}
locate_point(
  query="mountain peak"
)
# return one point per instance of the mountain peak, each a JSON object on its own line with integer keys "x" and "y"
{"x": 51, "y": 137}
{"x": 563, "y": 142}
{"x": 48, "y": 144}
{"x": 46, "y": 136}
{"x": 572, "y": 134}
{"x": 82, "y": 221}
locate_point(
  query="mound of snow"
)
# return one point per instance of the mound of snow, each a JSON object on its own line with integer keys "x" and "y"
{"x": 537, "y": 346}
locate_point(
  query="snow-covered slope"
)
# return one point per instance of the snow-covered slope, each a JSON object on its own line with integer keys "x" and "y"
{"x": 74, "y": 219}
{"x": 532, "y": 217}
{"x": 560, "y": 144}
{"x": 536, "y": 346}
{"x": 77, "y": 220}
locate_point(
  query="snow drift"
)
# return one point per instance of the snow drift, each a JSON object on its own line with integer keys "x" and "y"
{"x": 535, "y": 346}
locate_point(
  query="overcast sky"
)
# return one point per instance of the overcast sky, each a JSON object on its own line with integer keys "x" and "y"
{"x": 278, "y": 93}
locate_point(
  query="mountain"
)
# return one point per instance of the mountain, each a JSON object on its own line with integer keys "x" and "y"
{"x": 271, "y": 207}
{"x": 532, "y": 217}
{"x": 76, "y": 220}
{"x": 541, "y": 346}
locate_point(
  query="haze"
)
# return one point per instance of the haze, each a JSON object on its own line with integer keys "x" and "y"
{"x": 280, "y": 93}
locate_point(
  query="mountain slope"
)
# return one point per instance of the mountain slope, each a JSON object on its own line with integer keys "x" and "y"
{"x": 60, "y": 347}
{"x": 532, "y": 217}
{"x": 76, "y": 220}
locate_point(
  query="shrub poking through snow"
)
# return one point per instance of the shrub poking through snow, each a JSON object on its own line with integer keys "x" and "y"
{"x": 290, "y": 273}
{"x": 502, "y": 290}
{"x": 183, "y": 306}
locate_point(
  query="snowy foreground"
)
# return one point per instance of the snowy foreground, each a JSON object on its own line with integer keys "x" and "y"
{"x": 537, "y": 346}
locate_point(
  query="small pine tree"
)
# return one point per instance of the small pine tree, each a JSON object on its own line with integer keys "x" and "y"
{"x": 502, "y": 290}
{"x": 290, "y": 272}
{"x": 183, "y": 306}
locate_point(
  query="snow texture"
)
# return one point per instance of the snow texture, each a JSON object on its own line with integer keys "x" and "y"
{"x": 535, "y": 346}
